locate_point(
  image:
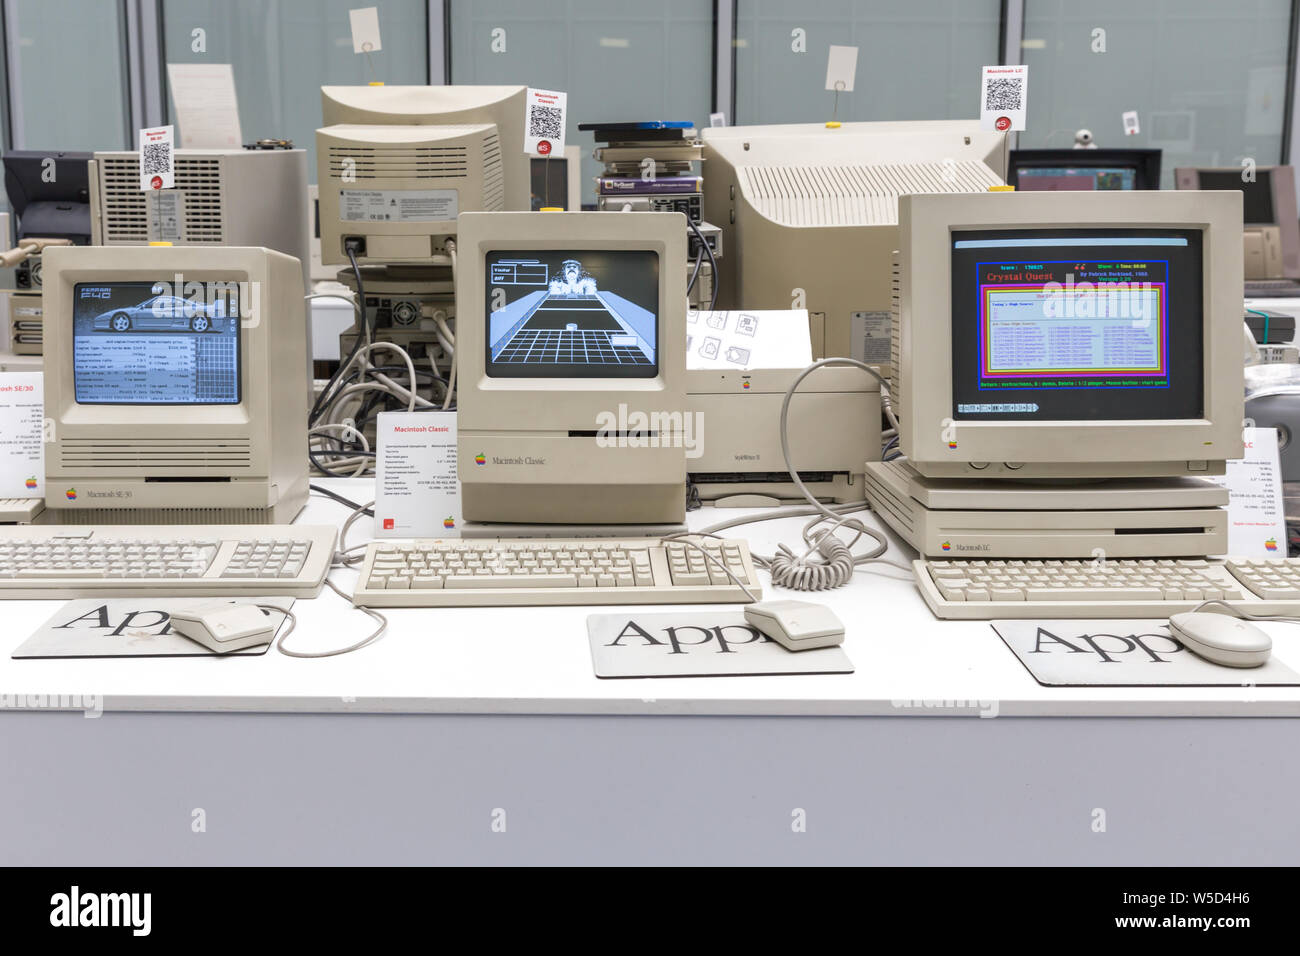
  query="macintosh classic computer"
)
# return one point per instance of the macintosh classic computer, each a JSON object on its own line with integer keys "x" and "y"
{"x": 571, "y": 346}
{"x": 1068, "y": 365}
{"x": 175, "y": 385}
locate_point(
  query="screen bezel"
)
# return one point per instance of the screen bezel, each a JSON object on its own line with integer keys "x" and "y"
{"x": 239, "y": 351}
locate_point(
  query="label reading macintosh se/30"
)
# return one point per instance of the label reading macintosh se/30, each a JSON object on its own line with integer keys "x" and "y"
{"x": 398, "y": 205}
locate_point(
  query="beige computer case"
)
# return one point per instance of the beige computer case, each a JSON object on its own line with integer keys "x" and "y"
{"x": 182, "y": 464}
{"x": 397, "y": 190}
{"x": 809, "y": 215}
{"x": 222, "y": 197}
{"x": 541, "y": 463}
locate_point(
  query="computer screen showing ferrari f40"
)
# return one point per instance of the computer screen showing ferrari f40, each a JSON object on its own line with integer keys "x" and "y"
{"x": 572, "y": 314}
{"x": 156, "y": 343}
{"x": 1077, "y": 325}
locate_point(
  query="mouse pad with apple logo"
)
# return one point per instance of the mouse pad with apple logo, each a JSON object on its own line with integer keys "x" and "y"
{"x": 1118, "y": 653}
{"x": 698, "y": 644}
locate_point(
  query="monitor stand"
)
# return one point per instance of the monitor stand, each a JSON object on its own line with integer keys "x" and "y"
{"x": 494, "y": 529}
{"x": 982, "y": 519}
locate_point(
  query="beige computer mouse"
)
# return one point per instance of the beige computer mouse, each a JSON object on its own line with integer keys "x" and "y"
{"x": 1221, "y": 639}
{"x": 796, "y": 625}
{"x": 224, "y": 627}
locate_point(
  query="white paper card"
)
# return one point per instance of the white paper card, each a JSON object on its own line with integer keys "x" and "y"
{"x": 1256, "y": 519}
{"x": 747, "y": 338}
{"x": 717, "y": 119}
{"x": 697, "y": 644}
{"x": 1130, "y": 120}
{"x": 544, "y": 122}
{"x": 841, "y": 67}
{"x": 22, "y": 446}
{"x": 156, "y": 158}
{"x": 1002, "y": 97}
{"x": 206, "y": 107}
{"x": 417, "y": 491}
{"x": 1113, "y": 653}
{"x": 365, "y": 29}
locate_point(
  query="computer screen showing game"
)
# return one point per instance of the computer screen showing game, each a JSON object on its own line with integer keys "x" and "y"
{"x": 147, "y": 343}
{"x": 572, "y": 314}
{"x": 1077, "y": 325}
{"x": 1084, "y": 170}
{"x": 1256, "y": 195}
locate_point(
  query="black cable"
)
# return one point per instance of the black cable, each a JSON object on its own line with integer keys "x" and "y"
{"x": 695, "y": 273}
{"x": 346, "y": 502}
{"x": 363, "y": 334}
{"x": 713, "y": 263}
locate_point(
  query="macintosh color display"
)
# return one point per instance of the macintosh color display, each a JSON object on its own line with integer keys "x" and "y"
{"x": 1077, "y": 325}
{"x": 144, "y": 343}
{"x": 572, "y": 313}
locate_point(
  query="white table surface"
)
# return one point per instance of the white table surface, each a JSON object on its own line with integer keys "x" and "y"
{"x": 537, "y": 661}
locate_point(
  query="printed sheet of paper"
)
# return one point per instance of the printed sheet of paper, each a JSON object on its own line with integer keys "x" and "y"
{"x": 22, "y": 422}
{"x": 1002, "y": 97}
{"x": 417, "y": 489}
{"x": 746, "y": 338}
{"x": 365, "y": 29}
{"x": 1256, "y": 517}
{"x": 157, "y": 158}
{"x": 206, "y": 108}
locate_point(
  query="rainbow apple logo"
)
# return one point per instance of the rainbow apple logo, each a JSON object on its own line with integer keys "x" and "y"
{"x": 946, "y": 546}
{"x": 479, "y": 459}
{"x": 1270, "y": 544}
{"x": 71, "y": 494}
{"x": 31, "y": 482}
{"x": 744, "y": 385}
{"x": 448, "y": 522}
{"x": 952, "y": 444}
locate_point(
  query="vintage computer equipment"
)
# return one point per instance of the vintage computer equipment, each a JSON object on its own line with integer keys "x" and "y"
{"x": 571, "y": 351}
{"x": 49, "y": 193}
{"x": 222, "y": 197}
{"x": 1069, "y": 366}
{"x": 175, "y": 385}
{"x": 834, "y": 428}
{"x": 1084, "y": 170}
{"x": 1271, "y": 240}
{"x": 809, "y": 215}
{"x": 398, "y": 164}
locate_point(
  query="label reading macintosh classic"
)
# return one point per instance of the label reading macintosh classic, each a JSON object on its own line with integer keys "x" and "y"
{"x": 398, "y": 205}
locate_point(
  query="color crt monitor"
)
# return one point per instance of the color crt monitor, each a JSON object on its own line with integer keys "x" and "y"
{"x": 577, "y": 313}
{"x": 1070, "y": 335}
{"x": 141, "y": 343}
{"x": 1077, "y": 324}
{"x": 1084, "y": 170}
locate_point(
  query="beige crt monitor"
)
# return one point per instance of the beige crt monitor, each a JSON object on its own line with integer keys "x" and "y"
{"x": 398, "y": 164}
{"x": 1069, "y": 335}
{"x": 175, "y": 385}
{"x": 809, "y": 215}
{"x": 571, "y": 354}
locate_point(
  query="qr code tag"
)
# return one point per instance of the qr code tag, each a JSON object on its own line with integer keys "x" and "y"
{"x": 544, "y": 122}
{"x": 1002, "y": 98}
{"x": 156, "y": 158}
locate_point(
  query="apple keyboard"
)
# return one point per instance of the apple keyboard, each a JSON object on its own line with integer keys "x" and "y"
{"x": 62, "y": 561}
{"x": 1154, "y": 587}
{"x": 542, "y": 571}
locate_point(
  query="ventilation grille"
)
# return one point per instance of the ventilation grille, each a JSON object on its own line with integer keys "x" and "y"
{"x": 494, "y": 176}
{"x": 379, "y": 163}
{"x": 864, "y": 195}
{"x": 189, "y": 516}
{"x": 896, "y": 338}
{"x": 125, "y": 210}
{"x": 100, "y": 454}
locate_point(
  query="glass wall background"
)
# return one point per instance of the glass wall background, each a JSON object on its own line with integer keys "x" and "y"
{"x": 1208, "y": 79}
